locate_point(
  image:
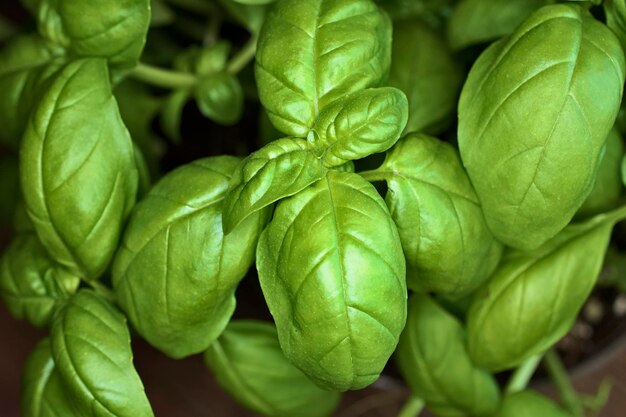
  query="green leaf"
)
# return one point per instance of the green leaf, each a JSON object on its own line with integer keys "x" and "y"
{"x": 530, "y": 112}
{"x": 280, "y": 169}
{"x": 251, "y": 16}
{"x": 332, "y": 271}
{"x": 607, "y": 189}
{"x": 91, "y": 349}
{"x": 175, "y": 237}
{"x": 447, "y": 244}
{"x": 615, "y": 11}
{"x": 530, "y": 404}
{"x": 304, "y": 51}
{"x": 364, "y": 123}
{"x": 220, "y": 98}
{"x": 77, "y": 169}
{"x": 172, "y": 113}
{"x": 436, "y": 365}
{"x": 479, "y": 21}
{"x": 533, "y": 298}
{"x": 43, "y": 393}
{"x": 248, "y": 364}
{"x": 111, "y": 29}
{"x": 161, "y": 14}
{"x": 422, "y": 66}
{"x": 31, "y": 284}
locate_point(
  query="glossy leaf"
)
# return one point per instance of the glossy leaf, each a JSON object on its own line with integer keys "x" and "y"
{"x": 78, "y": 172}
{"x": 607, "y": 188}
{"x": 31, "y": 284}
{"x": 422, "y": 66}
{"x": 43, "y": 393}
{"x": 176, "y": 256}
{"x": 278, "y": 170}
{"x": 332, "y": 272}
{"x": 304, "y": 51}
{"x": 447, "y": 244}
{"x": 85, "y": 30}
{"x": 248, "y": 363}
{"x": 479, "y": 21}
{"x": 220, "y": 98}
{"x": 434, "y": 361}
{"x": 616, "y": 18}
{"x": 530, "y": 404}
{"x": 529, "y": 112}
{"x": 533, "y": 298}
{"x": 91, "y": 349}
{"x": 364, "y": 123}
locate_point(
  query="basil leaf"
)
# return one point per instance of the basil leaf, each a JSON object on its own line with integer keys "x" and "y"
{"x": 220, "y": 98}
{"x": 422, "y": 66}
{"x": 364, "y": 123}
{"x": 84, "y": 30}
{"x": 32, "y": 285}
{"x": 78, "y": 172}
{"x": 447, "y": 244}
{"x": 248, "y": 363}
{"x": 607, "y": 189}
{"x": 529, "y": 404}
{"x": 175, "y": 237}
{"x": 533, "y": 298}
{"x": 529, "y": 191}
{"x": 172, "y": 113}
{"x": 478, "y": 21}
{"x": 251, "y": 16}
{"x": 433, "y": 343}
{"x": 278, "y": 170}
{"x": 91, "y": 349}
{"x": 43, "y": 393}
{"x": 616, "y": 18}
{"x": 304, "y": 50}
{"x": 433, "y": 12}
{"x": 325, "y": 262}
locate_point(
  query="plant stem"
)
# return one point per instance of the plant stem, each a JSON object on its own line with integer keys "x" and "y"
{"x": 560, "y": 379}
{"x": 520, "y": 378}
{"x": 412, "y": 408}
{"x": 163, "y": 77}
{"x": 103, "y": 290}
{"x": 243, "y": 57}
{"x": 374, "y": 175}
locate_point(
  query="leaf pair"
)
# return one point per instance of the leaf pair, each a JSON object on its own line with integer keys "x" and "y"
{"x": 85, "y": 369}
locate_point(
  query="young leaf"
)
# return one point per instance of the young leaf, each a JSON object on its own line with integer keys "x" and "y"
{"x": 278, "y": 170}
{"x": 529, "y": 404}
{"x": 220, "y": 98}
{"x": 304, "y": 51}
{"x": 91, "y": 350}
{"x": 533, "y": 298}
{"x": 447, "y": 244}
{"x": 332, "y": 272}
{"x": 85, "y": 30}
{"x": 174, "y": 236}
{"x": 77, "y": 169}
{"x": 43, "y": 393}
{"x": 32, "y": 285}
{"x": 248, "y": 363}
{"x": 432, "y": 344}
{"x": 364, "y": 123}
{"x": 529, "y": 112}
{"x": 422, "y": 66}
{"x": 172, "y": 113}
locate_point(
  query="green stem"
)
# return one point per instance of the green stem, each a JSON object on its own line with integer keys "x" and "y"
{"x": 412, "y": 408}
{"x": 560, "y": 379}
{"x": 521, "y": 377}
{"x": 103, "y": 290}
{"x": 374, "y": 175}
{"x": 163, "y": 77}
{"x": 243, "y": 57}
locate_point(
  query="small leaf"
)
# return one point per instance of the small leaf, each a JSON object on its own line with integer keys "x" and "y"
{"x": 280, "y": 169}
{"x": 220, "y": 98}
{"x": 530, "y": 404}
{"x": 364, "y": 123}
{"x": 91, "y": 350}
{"x": 172, "y": 113}
{"x": 248, "y": 363}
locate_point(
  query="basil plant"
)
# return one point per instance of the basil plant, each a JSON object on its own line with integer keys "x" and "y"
{"x": 434, "y": 188}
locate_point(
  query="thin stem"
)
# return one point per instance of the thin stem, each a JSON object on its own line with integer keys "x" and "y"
{"x": 374, "y": 175}
{"x": 521, "y": 377}
{"x": 560, "y": 379}
{"x": 412, "y": 408}
{"x": 164, "y": 78}
{"x": 243, "y": 57}
{"x": 103, "y": 290}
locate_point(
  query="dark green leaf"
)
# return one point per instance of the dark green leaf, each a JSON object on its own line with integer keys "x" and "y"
{"x": 220, "y": 98}
{"x": 172, "y": 113}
